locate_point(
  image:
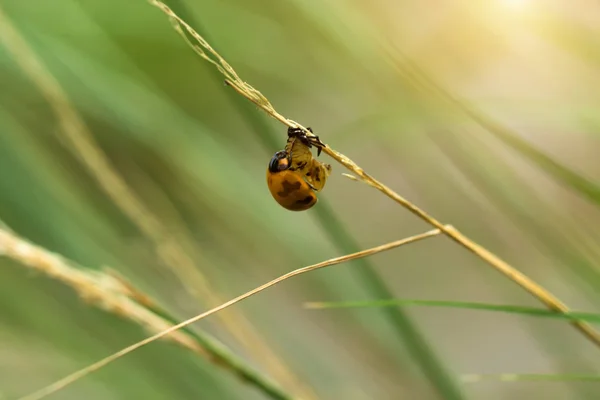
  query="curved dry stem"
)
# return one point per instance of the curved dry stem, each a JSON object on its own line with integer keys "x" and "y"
{"x": 246, "y": 90}
{"x": 114, "y": 294}
{"x": 58, "y": 385}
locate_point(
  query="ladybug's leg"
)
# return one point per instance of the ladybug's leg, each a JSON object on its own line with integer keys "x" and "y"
{"x": 319, "y": 145}
{"x": 315, "y": 141}
{"x": 296, "y": 132}
{"x": 311, "y": 185}
{"x": 309, "y": 141}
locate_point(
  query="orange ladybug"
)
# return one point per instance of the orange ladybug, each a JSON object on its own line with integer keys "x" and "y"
{"x": 294, "y": 176}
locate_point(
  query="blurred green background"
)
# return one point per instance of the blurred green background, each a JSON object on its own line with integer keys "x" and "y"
{"x": 484, "y": 113}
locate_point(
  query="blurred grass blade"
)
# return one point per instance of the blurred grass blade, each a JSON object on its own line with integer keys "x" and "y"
{"x": 566, "y": 176}
{"x": 546, "y": 163}
{"x": 531, "y": 311}
{"x": 558, "y": 171}
{"x": 409, "y": 333}
{"x": 474, "y": 378}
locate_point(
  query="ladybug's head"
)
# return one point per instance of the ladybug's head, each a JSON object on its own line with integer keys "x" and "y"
{"x": 279, "y": 162}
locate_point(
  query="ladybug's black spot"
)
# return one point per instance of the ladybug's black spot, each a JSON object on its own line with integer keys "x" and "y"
{"x": 318, "y": 178}
{"x": 289, "y": 188}
{"x": 306, "y": 200}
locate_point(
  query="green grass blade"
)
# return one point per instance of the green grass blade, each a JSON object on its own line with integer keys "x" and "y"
{"x": 223, "y": 356}
{"x": 418, "y": 347}
{"x": 531, "y": 311}
{"x": 474, "y": 378}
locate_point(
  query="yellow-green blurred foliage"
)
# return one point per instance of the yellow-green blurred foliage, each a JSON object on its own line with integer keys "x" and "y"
{"x": 484, "y": 112}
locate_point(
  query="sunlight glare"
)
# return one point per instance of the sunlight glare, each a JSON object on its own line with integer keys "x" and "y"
{"x": 515, "y": 4}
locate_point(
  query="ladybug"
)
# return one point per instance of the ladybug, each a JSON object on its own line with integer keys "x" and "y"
{"x": 293, "y": 175}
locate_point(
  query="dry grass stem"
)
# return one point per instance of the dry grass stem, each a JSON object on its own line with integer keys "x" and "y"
{"x": 111, "y": 292}
{"x": 97, "y": 288}
{"x": 246, "y": 90}
{"x": 168, "y": 249}
{"x": 58, "y": 385}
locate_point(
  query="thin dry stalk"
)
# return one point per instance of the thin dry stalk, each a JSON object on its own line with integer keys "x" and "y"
{"x": 58, "y": 385}
{"x": 112, "y": 293}
{"x": 202, "y": 48}
{"x": 168, "y": 249}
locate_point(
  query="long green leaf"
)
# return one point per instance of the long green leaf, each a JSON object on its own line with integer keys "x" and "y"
{"x": 508, "y": 377}
{"x": 536, "y": 312}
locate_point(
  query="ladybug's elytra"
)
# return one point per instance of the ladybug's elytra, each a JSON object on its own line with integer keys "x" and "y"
{"x": 294, "y": 176}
